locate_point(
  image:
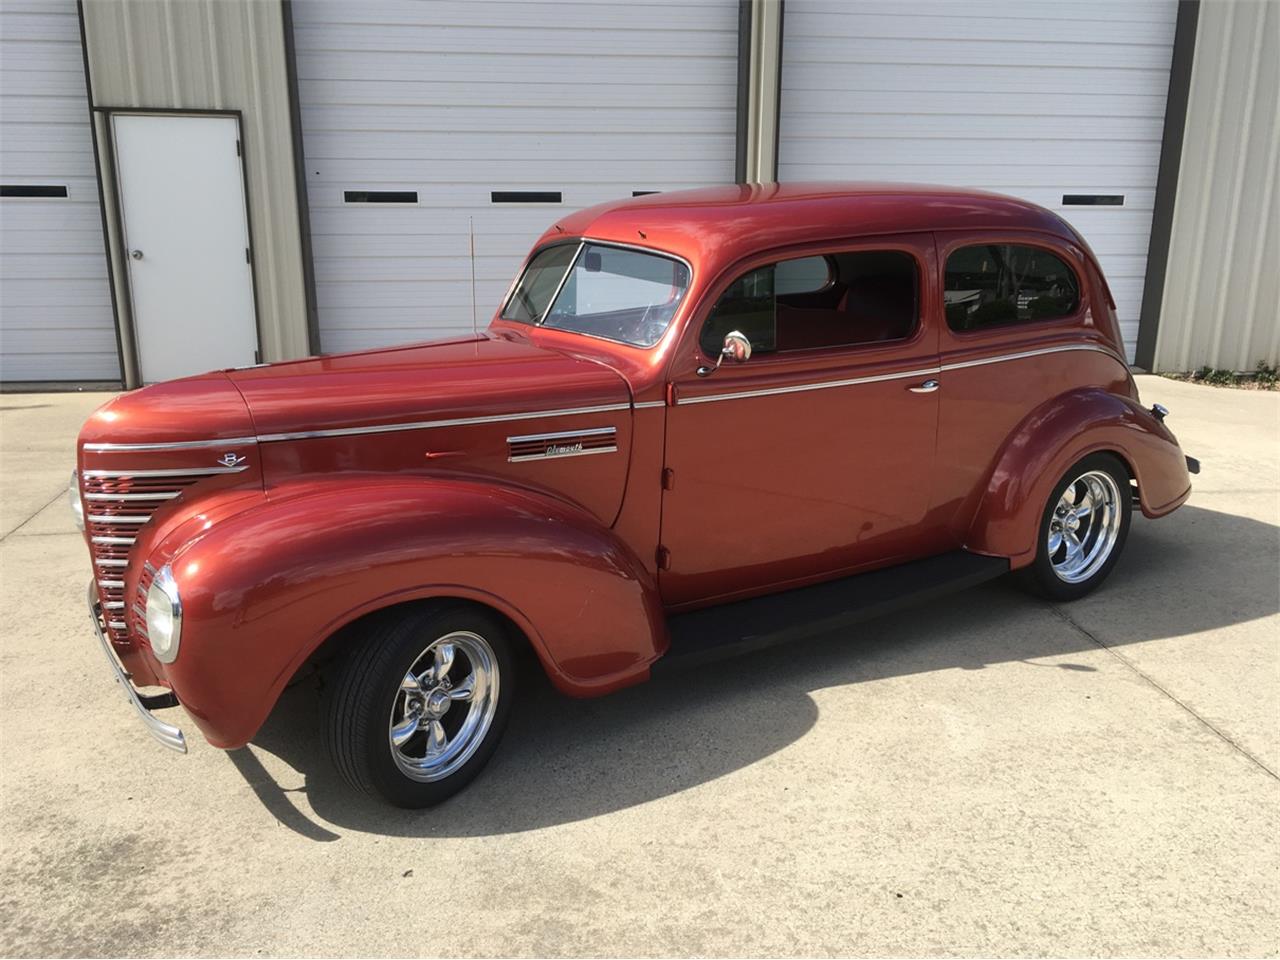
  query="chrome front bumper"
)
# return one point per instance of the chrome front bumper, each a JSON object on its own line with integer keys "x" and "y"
{"x": 166, "y": 733}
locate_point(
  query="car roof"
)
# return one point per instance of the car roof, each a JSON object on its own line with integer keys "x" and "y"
{"x": 713, "y": 227}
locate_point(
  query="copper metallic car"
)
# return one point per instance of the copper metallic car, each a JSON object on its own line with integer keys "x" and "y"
{"x": 699, "y": 422}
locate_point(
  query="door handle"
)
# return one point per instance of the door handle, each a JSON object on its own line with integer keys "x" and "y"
{"x": 929, "y": 386}
{"x": 136, "y": 254}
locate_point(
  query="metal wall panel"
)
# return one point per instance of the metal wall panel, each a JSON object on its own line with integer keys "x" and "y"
{"x": 56, "y": 322}
{"x": 1221, "y": 304}
{"x": 458, "y": 99}
{"x": 1033, "y": 99}
{"x": 212, "y": 55}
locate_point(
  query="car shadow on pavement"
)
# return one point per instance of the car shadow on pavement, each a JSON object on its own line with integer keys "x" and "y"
{"x": 564, "y": 760}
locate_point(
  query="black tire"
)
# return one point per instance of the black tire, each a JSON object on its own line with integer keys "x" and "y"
{"x": 1042, "y": 576}
{"x": 367, "y": 693}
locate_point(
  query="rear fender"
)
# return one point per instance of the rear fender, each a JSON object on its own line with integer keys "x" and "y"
{"x": 263, "y": 588}
{"x": 1045, "y": 445}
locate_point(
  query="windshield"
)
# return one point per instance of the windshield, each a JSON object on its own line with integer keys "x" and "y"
{"x": 611, "y": 292}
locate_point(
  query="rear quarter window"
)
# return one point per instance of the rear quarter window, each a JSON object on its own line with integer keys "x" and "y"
{"x": 1001, "y": 284}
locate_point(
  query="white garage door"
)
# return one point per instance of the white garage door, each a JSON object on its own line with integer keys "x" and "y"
{"x": 56, "y": 321}
{"x": 1038, "y": 100}
{"x": 417, "y": 116}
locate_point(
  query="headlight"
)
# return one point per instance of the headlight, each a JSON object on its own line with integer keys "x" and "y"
{"x": 73, "y": 498}
{"x": 164, "y": 616}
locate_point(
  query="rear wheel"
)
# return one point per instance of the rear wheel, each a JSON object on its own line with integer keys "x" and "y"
{"x": 1083, "y": 528}
{"x": 420, "y": 703}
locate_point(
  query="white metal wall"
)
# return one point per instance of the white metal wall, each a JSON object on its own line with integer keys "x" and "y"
{"x": 56, "y": 321}
{"x": 1222, "y": 289}
{"x": 1034, "y": 99}
{"x": 458, "y": 98}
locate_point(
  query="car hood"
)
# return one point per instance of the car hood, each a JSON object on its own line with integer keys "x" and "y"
{"x": 481, "y": 376}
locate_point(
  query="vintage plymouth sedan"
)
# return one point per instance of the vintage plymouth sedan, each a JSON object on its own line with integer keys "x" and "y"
{"x": 699, "y": 422}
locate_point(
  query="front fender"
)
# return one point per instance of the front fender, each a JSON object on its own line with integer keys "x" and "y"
{"x": 263, "y": 588}
{"x": 1045, "y": 445}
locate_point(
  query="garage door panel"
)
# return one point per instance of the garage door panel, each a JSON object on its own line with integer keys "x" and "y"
{"x": 991, "y": 80}
{"x": 527, "y": 95}
{"x": 841, "y": 50}
{"x": 548, "y": 37}
{"x": 1094, "y": 11}
{"x": 853, "y": 150}
{"x": 452, "y": 101}
{"x": 56, "y": 319}
{"x": 930, "y": 125}
{"x": 416, "y": 245}
{"x": 593, "y": 67}
{"x": 570, "y": 119}
{"x": 73, "y": 170}
{"x": 1013, "y": 97}
{"x": 24, "y": 292}
{"x": 543, "y": 173}
{"x": 1021, "y": 25}
{"x": 670, "y": 14}
{"x": 1012, "y": 103}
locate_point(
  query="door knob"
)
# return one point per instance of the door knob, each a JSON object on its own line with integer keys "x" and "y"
{"x": 136, "y": 254}
{"x": 927, "y": 387}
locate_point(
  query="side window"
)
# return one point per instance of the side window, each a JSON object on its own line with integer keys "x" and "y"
{"x": 808, "y": 303}
{"x": 994, "y": 285}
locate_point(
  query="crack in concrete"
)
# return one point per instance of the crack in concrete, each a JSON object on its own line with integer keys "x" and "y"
{"x": 1203, "y": 721}
{"x": 57, "y": 496}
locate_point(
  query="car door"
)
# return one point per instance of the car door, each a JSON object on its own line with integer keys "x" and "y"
{"x": 815, "y": 455}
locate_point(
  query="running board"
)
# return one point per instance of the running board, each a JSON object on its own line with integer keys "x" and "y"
{"x": 746, "y": 625}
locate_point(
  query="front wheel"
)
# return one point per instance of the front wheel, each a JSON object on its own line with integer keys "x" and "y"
{"x": 420, "y": 703}
{"x": 1083, "y": 528}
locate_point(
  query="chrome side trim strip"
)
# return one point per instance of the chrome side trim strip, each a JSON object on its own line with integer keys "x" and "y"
{"x": 133, "y": 496}
{"x": 1066, "y": 348}
{"x": 428, "y": 424}
{"x": 594, "y": 432}
{"x": 804, "y": 387}
{"x": 168, "y": 445}
{"x": 925, "y": 372}
{"x": 188, "y": 472}
{"x": 650, "y": 404}
{"x": 562, "y": 456}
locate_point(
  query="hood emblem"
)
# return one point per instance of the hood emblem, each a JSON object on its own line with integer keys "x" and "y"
{"x": 230, "y": 460}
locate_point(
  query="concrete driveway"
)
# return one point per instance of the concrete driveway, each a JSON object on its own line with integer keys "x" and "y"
{"x": 986, "y": 775}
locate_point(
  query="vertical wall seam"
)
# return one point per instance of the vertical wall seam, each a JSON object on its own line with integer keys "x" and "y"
{"x": 130, "y": 62}
{"x": 171, "y": 61}
{"x": 211, "y": 38}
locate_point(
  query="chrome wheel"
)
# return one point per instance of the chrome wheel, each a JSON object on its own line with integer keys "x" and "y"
{"x": 444, "y": 707}
{"x": 1085, "y": 526}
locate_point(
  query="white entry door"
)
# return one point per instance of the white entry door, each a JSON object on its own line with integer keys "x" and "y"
{"x": 186, "y": 234}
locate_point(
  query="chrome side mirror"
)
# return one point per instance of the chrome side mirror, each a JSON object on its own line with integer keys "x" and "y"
{"x": 736, "y": 348}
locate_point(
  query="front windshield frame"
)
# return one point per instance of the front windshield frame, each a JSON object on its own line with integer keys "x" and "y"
{"x": 579, "y": 244}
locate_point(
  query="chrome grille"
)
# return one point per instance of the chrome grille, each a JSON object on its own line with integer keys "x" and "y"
{"x": 116, "y": 504}
{"x": 138, "y": 610}
{"x": 567, "y": 443}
